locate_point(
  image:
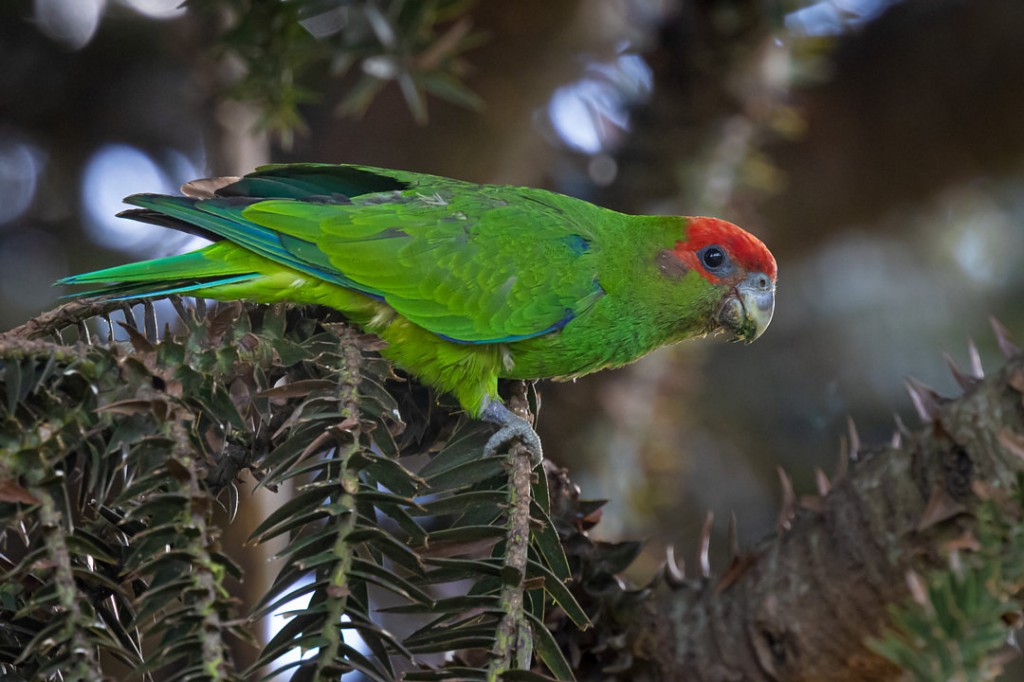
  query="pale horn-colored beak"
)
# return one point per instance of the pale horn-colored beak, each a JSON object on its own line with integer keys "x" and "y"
{"x": 748, "y": 310}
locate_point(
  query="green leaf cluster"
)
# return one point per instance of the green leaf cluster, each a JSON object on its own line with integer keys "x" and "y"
{"x": 107, "y": 537}
{"x": 287, "y": 47}
{"x": 961, "y": 619}
{"x": 121, "y": 461}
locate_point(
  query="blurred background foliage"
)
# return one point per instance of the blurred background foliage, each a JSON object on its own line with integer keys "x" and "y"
{"x": 875, "y": 145}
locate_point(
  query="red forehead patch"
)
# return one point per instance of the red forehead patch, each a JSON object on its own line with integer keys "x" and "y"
{"x": 745, "y": 249}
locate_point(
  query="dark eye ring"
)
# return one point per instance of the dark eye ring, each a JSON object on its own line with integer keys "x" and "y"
{"x": 713, "y": 257}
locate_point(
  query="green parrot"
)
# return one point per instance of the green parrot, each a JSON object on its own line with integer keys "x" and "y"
{"x": 466, "y": 283}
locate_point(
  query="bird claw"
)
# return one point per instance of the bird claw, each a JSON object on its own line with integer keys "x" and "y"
{"x": 510, "y": 432}
{"x": 513, "y": 427}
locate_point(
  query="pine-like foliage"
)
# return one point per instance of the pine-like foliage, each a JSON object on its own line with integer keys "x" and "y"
{"x": 959, "y": 622}
{"x": 116, "y": 456}
{"x": 408, "y": 555}
{"x": 287, "y": 47}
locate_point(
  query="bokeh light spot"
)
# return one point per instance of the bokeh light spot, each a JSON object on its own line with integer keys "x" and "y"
{"x": 20, "y": 164}
{"x": 157, "y": 9}
{"x": 115, "y": 171}
{"x": 602, "y": 170}
{"x": 591, "y": 114}
{"x": 71, "y": 22}
{"x": 834, "y": 17}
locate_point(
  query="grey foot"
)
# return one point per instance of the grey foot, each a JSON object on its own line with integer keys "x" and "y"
{"x": 512, "y": 427}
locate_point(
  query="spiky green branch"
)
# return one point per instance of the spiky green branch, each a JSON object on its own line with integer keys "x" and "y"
{"x": 72, "y": 611}
{"x": 339, "y": 581}
{"x": 513, "y": 646}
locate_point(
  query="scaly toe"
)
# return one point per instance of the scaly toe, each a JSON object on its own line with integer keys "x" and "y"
{"x": 512, "y": 427}
{"x": 505, "y": 436}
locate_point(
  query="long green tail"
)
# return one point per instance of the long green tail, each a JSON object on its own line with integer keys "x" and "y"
{"x": 213, "y": 265}
{"x": 220, "y": 217}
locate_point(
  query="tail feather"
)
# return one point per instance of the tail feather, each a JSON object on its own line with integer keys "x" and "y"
{"x": 223, "y": 217}
{"x": 194, "y": 265}
{"x": 220, "y": 218}
{"x": 123, "y": 291}
{"x": 240, "y": 252}
{"x": 151, "y": 217}
{"x": 205, "y": 268}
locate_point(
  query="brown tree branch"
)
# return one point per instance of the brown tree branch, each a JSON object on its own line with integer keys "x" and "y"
{"x": 804, "y": 604}
{"x": 514, "y": 643}
{"x": 72, "y": 313}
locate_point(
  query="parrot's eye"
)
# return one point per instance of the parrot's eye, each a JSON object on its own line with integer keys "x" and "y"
{"x": 713, "y": 257}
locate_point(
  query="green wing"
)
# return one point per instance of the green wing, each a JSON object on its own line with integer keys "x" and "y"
{"x": 471, "y": 263}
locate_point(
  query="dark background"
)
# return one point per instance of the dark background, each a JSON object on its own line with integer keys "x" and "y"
{"x": 875, "y": 146}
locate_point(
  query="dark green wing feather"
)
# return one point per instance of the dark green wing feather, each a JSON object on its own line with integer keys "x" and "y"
{"x": 302, "y": 181}
{"x": 472, "y": 263}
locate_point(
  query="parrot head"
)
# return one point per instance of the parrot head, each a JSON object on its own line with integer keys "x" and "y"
{"x": 740, "y": 270}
